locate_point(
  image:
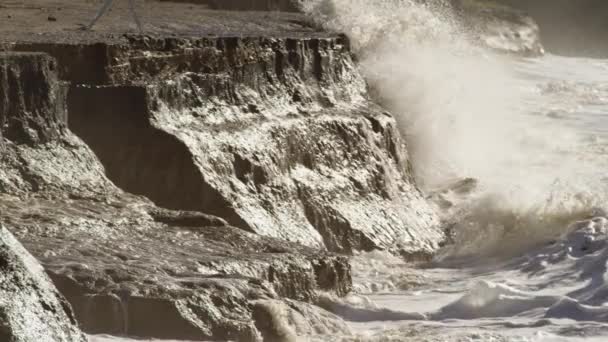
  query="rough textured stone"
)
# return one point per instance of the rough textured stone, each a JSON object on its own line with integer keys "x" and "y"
{"x": 569, "y": 27}
{"x": 31, "y": 308}
{"x": 283, "y": 321}
{"x": 259, "y": 148}
{"x": 276, "y": 136}
{"x": 125, "y": 273}
{"x": 32, "y": 100}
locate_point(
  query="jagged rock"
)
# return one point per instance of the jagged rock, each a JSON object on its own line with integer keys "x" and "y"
{"x": 128, "y": 267}
{"x": 276, "y": 136}
{"x": 32, "y": 99}
{"x": 263, "y": 151}
{"x": 247, "y": 5}
{"x": 31, "y": 308}
{"x": 125, "y": 273}
{"x": 569, "y": 27}
{"x": 283, "y": 321}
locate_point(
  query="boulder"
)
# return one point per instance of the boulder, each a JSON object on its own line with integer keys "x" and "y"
{"x": 31, "y": 308}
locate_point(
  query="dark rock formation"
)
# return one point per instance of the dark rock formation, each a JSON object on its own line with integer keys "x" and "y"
{"x": 283, "y": 321}
{"x": 128, "y": 267}
{"x": 500, "y": 27}
{"x": 126, "y": 274}
{"x": 31, "y": 308}
{"x": 570, "y": 27}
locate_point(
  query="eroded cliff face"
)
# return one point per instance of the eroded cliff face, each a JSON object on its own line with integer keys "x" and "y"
{"x": 500, "y": 27}
{"x": 274, "y": 135}
{"x": 127, "y": 266}
{"x": 569, "y": 27}
{"x": 247, "y": 5}
{"x": 208, "y": 181}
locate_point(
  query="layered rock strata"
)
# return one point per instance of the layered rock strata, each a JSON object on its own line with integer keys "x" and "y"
{"x": 218, "y": 176}
{"x": 274, "y": 135}
{"x": 247, "y": 5}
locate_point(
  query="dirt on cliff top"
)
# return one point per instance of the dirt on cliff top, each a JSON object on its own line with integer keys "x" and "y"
{"x": 64, "y": 21}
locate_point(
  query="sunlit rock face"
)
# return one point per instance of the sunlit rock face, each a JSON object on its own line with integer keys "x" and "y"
{"x": 207, "y": 175}
{"x": 31, "y": 308}
{"x": 569, "y": 27}
{"x": 275, "y": 135}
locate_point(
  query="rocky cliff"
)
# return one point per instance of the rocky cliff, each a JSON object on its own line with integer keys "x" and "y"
{"x": 191, "y": 185}
{"x": 500, "y": 27}
{"x": 569, "y": 27}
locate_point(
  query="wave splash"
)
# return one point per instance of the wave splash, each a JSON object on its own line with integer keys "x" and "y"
{"x": 467, "y": 112}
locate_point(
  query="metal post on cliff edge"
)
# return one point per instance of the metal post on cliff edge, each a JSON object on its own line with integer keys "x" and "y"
{"x": 106, "y": 6}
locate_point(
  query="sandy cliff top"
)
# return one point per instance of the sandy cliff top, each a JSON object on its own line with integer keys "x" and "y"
{"x": 63, "y": 20}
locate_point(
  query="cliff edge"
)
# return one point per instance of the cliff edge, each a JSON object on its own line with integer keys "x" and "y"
{"x": 178, "y": 184}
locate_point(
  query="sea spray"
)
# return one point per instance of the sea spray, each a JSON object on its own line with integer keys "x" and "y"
{"x": 466, "y": 113}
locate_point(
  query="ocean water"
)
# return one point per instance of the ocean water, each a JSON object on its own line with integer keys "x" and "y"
{"x": 530, "y": 258}
{"x": 520, "y": 272}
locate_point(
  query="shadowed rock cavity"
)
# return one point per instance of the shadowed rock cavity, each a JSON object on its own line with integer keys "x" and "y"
{"x": 31, "y": 309}
{"x": 247, "y": 5}
{"x": 138, "y": 157}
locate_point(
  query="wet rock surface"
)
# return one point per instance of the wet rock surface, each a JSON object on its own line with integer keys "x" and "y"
{"x": 129, "y": 267}
{"x": 31, "y": 308}
{"x": 276, "y": 136}
{"x": 189, "y": 186}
